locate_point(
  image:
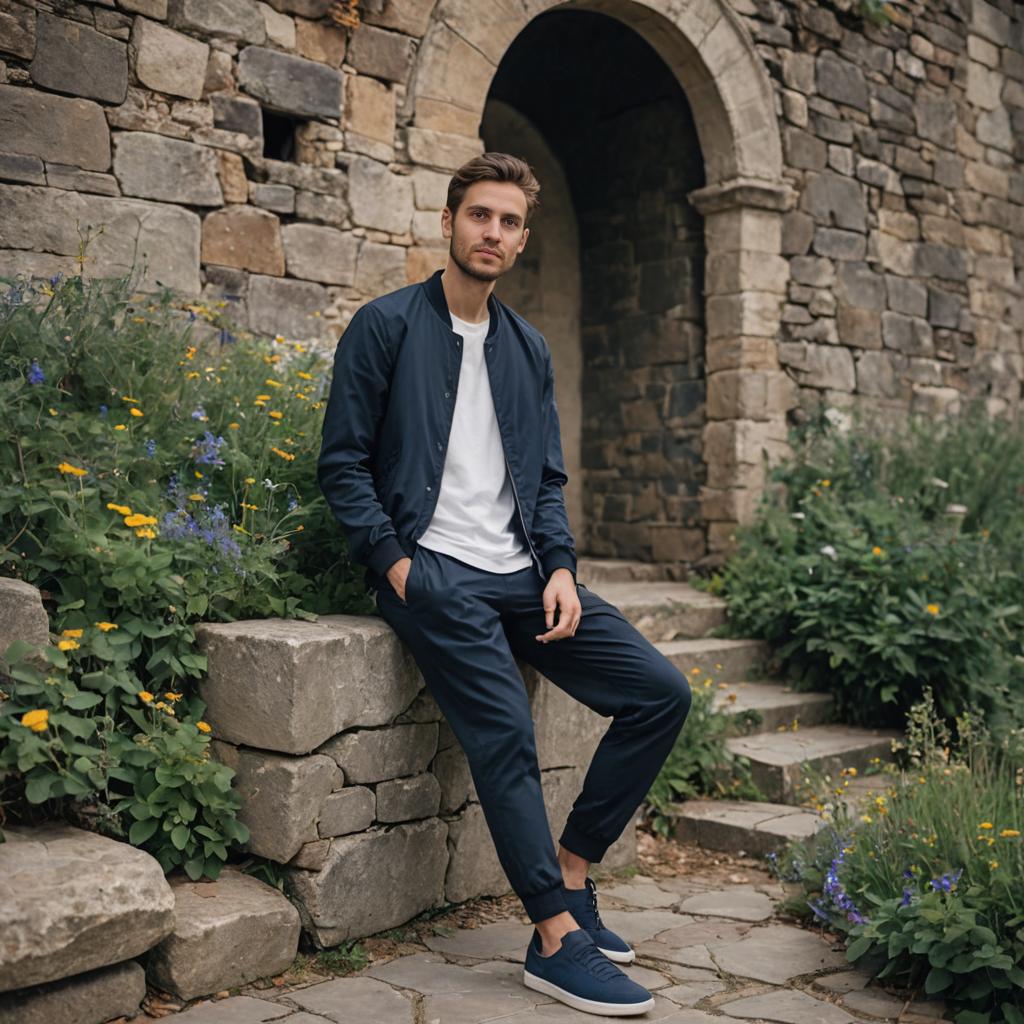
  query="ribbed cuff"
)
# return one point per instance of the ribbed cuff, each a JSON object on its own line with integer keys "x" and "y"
{"x": 545, "y": 904}
{"x": 385, "y": 553}
{"x": 559, "y": 558}
{"x": 582, "y": 845}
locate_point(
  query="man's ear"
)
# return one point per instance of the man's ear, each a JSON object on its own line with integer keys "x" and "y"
{"x": 522, "y": 244}
{"x": 446, "y": 223}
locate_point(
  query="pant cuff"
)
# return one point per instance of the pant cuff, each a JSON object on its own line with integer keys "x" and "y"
{"x": 545, "y": 904}
{"x": 581, "y": 844}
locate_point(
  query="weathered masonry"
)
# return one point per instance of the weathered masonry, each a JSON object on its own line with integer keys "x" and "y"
{"x": 753, "y": 210}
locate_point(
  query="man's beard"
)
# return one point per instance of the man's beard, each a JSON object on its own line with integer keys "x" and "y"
{"x": 470, "y": 271}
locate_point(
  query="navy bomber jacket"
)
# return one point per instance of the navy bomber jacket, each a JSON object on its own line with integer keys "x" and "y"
{"x": 389, "y": 415}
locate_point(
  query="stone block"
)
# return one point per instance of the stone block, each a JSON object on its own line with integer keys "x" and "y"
{"x": 421, "y": 262}
{"x": 378, "y": 198}
{"x": 906, "y": 296}
{"x": 566, "y": 731}
{"x": 877, "y": 375}
{"x": 944, "y": 261}
{"x": 280, "y": 28}
{"x": 858, "y": 328}
{"x": 244, "y": 237}
{"x": 290, "y": 84}
{"x": 150, "y": 8}
{"x": 749, "y": 395}
{"x": 231, "y": 174}
{"x": 74, "y": 901}
{"x": 77, "y": 180}
{"x": 277, "y": 198}
{"x": 172, "y": 170}
{"x": 841, "y": 81}
{"x": 237, "y": 114}
{"x": 310, "y": 206}
{"x": 22, "y": 615}
{"x": 71, "y": 57}
{"x": 821, "y": 366}
{"x": 228, "y": 19}
{"x": 370, "y": 110}
{"x": 320, "y": 253}
{"x": 814, "y": 271}
{"x": 321, "y": 41}
{"x": 984, "y": 86}
{"x": 859, "y": 286}
{"x": 382, "y": 54}
{"x": 834, "y": 200}
{"x": 168, "y": 61}
{"x": 404, "y": 799}
{"x": 18, "y": 31}
{"x": 25, "y": 169}
{"x": 943, "y": 308}
{"x": 750, "y": 314}
{"x": 50, "y": 127}
{"x": 797, "y": 232}
{"x": 381, "y": 268}
{"x": 473, "y": 865}
{"x": 372, "y": 881}
{"x": 159, "y": 242}
{"x": 292, "y": 685}
{"x": 838, "y": 244}
{"x": 372, "y": 755}
{"x": 107, "y": 992}
{"x": 451, "y": 769}
{"x": 442, "y": 150}
{"x": 281, "y": 796}
{"x": 430, "y": 189}
{"x": 226, "y": 933}
{"x": 351, "y": 809}
{"x": 408, "y": 16}
{"x": 279, "y": 305}
{"x": 907, "y": 334}
{"x": 935, "y": 116}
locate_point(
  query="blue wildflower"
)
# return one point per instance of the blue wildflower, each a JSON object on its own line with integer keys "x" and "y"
{"x": 35, "y": 374}
{"x": 293, "y": 505}
{"x": 191, "y": 314}
{"x": 151, "y": 447}
{"x": 206, "y": 451}
{"x": 199, "y": 413}
{"x": 103, "y": 410}
{"x": 55, "y": 280}
{"x": 906, "y": 897}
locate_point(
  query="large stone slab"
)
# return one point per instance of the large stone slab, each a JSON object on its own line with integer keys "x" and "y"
{"x": 378, "y": 198}
{"x": 71, "y": 57}
{"x": 290, "y": 84}
{"x": 776, "y": 953}
{"x": 159, "y": 241}
{"x": 169, "y": 61}
{"x": 284, "y": 306}
{"x": 373, "y": 755}
{"x": 232, "y": 19}
{"x": 357, "y": 999}
{"x": 53, "y": 127}
{"x": 156, "y": 167}
{"x": 281, "y": 796}
{"x": 372, "y": 881}
{"x": 244, "y": 237}
{"x": 320, "y": 254}
{"x": 738, "y": 826}
{"x": 289, "y": 686}
{"x": 22, "y": 615}
{"x": 226, "y": 933}
{"x": 99, "y": 995}
{"x": 74, "y": 901}
{"x": 724, "y": 660}
{"x": 787, "y": 1007}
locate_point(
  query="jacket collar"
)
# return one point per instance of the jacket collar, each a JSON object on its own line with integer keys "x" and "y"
{"x": 435, "y": 293}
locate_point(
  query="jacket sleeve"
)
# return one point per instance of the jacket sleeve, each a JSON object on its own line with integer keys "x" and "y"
{"x": 357, "y": 400}
{"x": 551, "y": 535}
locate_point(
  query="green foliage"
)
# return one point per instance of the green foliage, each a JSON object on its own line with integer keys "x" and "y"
{"x": 875, "y": 11}
{"x": 346, "y": 958}
{"x": 700, "y": 764}
{"x": 926, "y": 882}
{"x": 871, "y": 583}
{"x": 159, "y": 470}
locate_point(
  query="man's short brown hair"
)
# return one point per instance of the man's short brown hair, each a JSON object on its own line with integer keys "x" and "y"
{"x": 494, "y": 167}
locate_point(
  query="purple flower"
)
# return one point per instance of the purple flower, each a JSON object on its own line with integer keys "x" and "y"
{"x": 199, "y": 413}
{"x": 35, "y": 374}
{"x": 906, "y": 898}
{"x": 103, "y": 410}
{"x": 151, "y": 447}
{"x": 946, "y": 882}
{"x": 206, "y": 451}
{"x": 293, "y": 505}
{"x": 55, "y": 280}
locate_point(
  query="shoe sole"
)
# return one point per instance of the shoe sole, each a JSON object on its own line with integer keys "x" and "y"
{"x": 619, "y": 956}
{"x": 586, "y": 1005}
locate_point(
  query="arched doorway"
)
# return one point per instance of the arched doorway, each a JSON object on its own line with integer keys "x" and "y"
{"x": 732, "y": 413}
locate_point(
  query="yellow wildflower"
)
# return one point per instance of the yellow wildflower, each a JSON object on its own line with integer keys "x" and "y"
{"x": 263, "y": 398}
{"x": 250, "y": 479}
{"x": 171, "y": 695}
{"x": 122, "y": 509}
{"x": 128, "y": 398}
{"x": 304, "y": 375}
{"x": 72, "y": 632}
{"x": 694, "y": 671}
{"x": 985, "y": 824}
{"x": 993, "y": 864}
{"x": 136, "y": 412}
{"x": 145, "y": 696}
{"x": 233, "y": 426}
{"x": 275, "y": 415}
{"x": 146, "y": 533}
{"x": 68, "y": 645}
{"x": 66, "y": 467}
{"x": 826, "y": 483}
{"x": 932, "y": 609}
{"x": 202, "y": 727}
{"x": 196, "y": 497}
{"x": 190, "y": 352}
{"x": 53, "y": 412}
{"x": 273, "y": 383}
{"x": 284, "y": 455}
{"x": 866, "y": 817}
{"x": 138, "y": 519}
{"x": 876, "y": 550}
{"x": 36, "y": 720}
{"x": 192, "y": 374}
{"x": 240, "y": 529}
{"x": 255, "y": 508}
{"x": 1007, "y": 832}
{"x": 106, "y": 627}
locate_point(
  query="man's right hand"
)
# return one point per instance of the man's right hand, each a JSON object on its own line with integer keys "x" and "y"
{"x": 398, "y": 574}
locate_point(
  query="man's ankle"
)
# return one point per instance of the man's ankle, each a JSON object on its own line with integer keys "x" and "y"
{"x": 552, "y": 929}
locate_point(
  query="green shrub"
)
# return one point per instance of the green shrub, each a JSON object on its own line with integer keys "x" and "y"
{"x": 159, "y": 470}
{"x": 867, "y": 584}
{"x": 700, "y": 764}
{"x": 926, "y": 882}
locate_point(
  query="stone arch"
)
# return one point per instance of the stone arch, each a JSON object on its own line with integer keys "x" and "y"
{"x": 713, "y": 57}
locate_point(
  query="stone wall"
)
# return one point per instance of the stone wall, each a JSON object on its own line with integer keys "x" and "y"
{"x": 904, "y": 143}
{"x": 862, "y": 219}
{"x": 350, "y": 778}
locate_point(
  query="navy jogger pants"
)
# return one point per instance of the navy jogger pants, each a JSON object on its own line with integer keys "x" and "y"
{"x": 464, "y": 626}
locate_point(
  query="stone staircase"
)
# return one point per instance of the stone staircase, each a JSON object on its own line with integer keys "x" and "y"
{"x": 796, "y": 730}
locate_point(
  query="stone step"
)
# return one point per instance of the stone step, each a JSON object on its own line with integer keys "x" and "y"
{"x": 724, "y": 660}
{"x": 777, "y": 758}
{"x": 621, "y": 570}
{"x": 779, "y": 705}
{"x": 662, "y": 610}
{"x": 743, "y": 826}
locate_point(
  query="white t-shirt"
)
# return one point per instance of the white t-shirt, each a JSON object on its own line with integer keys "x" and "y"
{"x": 475, "y": 512}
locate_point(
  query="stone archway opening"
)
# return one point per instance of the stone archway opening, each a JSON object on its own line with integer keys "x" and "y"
{"x": 613, "y": 273}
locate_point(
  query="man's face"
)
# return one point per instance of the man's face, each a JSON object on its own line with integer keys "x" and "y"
{"x": 488, "y": 231}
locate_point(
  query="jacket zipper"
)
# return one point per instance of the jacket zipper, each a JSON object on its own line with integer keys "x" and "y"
{"x": 526, "y": 533}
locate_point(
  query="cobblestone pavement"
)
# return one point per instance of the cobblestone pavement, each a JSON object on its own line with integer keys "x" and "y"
{"x": 711, "y": 946}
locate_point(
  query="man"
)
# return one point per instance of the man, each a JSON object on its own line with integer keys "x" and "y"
{"x": 442, "y": 461}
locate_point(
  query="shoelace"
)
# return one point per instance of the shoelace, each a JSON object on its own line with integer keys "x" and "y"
{"x": 592, "y": 892}
{"x": 591, "y": 959}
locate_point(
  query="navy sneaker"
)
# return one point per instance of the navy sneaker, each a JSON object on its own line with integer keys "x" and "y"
{"x": 583, "y": 907}
{"x": 582, "y": 977}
